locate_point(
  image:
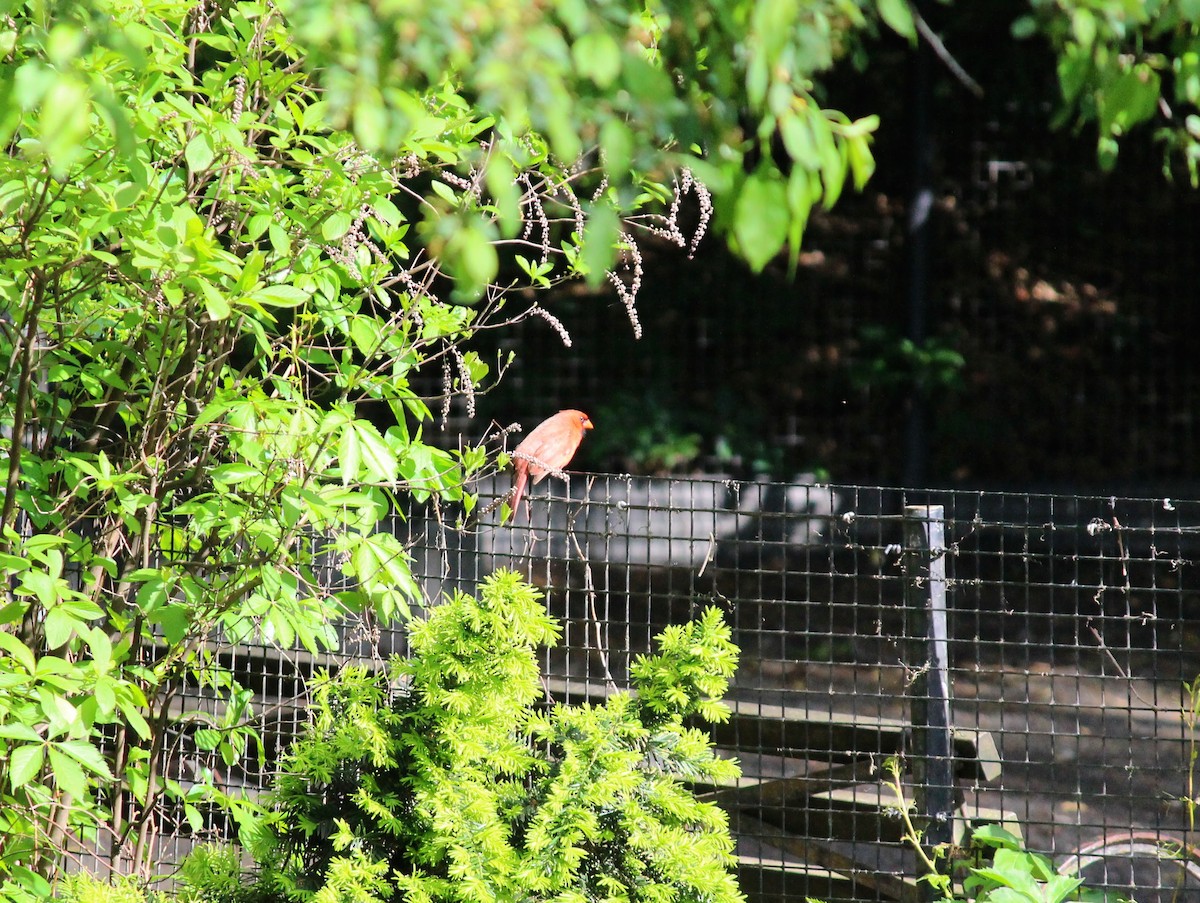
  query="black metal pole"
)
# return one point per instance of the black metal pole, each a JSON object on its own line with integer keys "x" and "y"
{"x": 929, "y": 657}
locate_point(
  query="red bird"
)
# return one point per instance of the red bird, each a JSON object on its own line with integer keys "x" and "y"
{"x": 548, "y": 449}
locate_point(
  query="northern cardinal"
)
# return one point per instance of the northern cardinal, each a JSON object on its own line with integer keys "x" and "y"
{"x": 548, "y": 449}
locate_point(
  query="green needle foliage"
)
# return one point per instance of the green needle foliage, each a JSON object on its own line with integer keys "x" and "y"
{"x": 448, "y": 779}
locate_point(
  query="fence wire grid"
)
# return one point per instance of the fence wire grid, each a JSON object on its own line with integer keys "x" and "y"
{"x": 1072, "y": 634}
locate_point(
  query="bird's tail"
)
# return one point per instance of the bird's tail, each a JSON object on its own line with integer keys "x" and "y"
{"x": 518, "y": 490}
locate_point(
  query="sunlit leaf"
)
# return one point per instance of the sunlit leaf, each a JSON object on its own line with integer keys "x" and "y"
{"x": 761, "y": 218}
{"x": 59, "y": 626}
{"x": 87, "y": 755}
{"x": 199, "y": 153}
{"x": 335, "y": 226}
{"x": 280, "y": 296}
{"x": 600, "y": 237}
{"x": 25, "y": 762}
{"x": 597, "y": 57}
{"x": 207, "y": 739}
{"x": 899, "y": 17}
{"x": 174, "y": 621}
{"x": 12, "y": 645}
{"x": 67, "y": 773}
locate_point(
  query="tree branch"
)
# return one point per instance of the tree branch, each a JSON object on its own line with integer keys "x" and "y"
{"x": 935, "y": 43}
{"x": 24, "y": 393}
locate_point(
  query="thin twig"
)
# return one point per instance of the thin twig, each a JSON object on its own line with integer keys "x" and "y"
{"x": 939, "y": 48}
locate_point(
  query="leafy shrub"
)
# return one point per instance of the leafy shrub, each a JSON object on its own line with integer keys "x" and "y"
{"x": 996, "y": 869}
{"x": 447, "y": 778}
{"x": 1016, "y": 874}
{"x": 214, "y": 874}
{"x": 84, "y": 888}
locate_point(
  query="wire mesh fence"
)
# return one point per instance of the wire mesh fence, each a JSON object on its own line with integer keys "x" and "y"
{"x": 1071, "y": 633}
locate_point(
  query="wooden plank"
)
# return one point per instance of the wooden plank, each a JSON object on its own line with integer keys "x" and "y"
{"x": 766, "y": 879}
{"x": 892, "y": 879}
{"x": 798, "y": 731}
{"x": 855, "y": 811}
{"x": 875, "y": 798}
{"x": 750, "y": 792}
{"x": 987, "y": 754}
{"x": 842, "y": 816}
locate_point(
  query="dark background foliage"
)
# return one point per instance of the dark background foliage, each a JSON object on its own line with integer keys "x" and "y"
{"x": 1060, "y": 309}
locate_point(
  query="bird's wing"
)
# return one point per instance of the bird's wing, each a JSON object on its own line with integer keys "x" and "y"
{"x": 541, "y": 455}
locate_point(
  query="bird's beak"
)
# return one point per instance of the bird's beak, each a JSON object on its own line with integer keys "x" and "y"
{"x": 587, "y": 423}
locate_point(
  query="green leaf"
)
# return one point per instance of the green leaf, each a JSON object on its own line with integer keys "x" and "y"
{"x": 86, "y": 755}
{"x": 24, "y": 764}
{"x": 215, "y": 303}
{"x": 231, "y": 474}
{"x": 617, "y": 145}
{"x": 41, "y": 585}
{"x": 600, "y": 237}
{"x": 65, "y": 118}
{"x": 798, "y": 140}
{"x": 335, "y": 226}
{"x": 1059, "y": 888}
{"x": 379, "y": 462}
{"x": 135, "y": 718}
{"x": 281, "y": 242}
{"x": 349, "y": 454}
{"x": 16, "y": 731}
{"x": 899, "y": 17}
{"x": 59, "y": 626}
{"x": 1024, "y": 27}
{"x": 381, "y": 565}
{"x": 32, "y": 882}
{"x": 1131, "y": 98}
{"x": 280, "y": 627}
{"x": 153, "y": 593}
{"x": 444, "y": 191}
{"x": 174, "y": 620}
{"x": 597, "y": 57}
{"x": 1106, "y": 152}
{"x": 1083, "y": 24}
{"x": 996, "y": 836}
{"x": 194, "y": 819}
{"x": 100, "y": 647}
{"x": 61, "y": 714}
{"x": 370, "y": 120}
{"x": 67, "y": 774}
{"x": 280, "y": 296}
{"x": 506, "y": 195}
{"x": 22, "y": 653}
{"x": 207, "y": 739}
{"x": 472, "y": 260}
{"x": 199, "y": 153}
{"x": 862, "y": 161}
{"x": 760, "y": 218}
{"x": 106, "y": 697}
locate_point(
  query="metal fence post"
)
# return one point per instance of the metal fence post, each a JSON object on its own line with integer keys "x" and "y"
{"x": 929, "y": 656}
